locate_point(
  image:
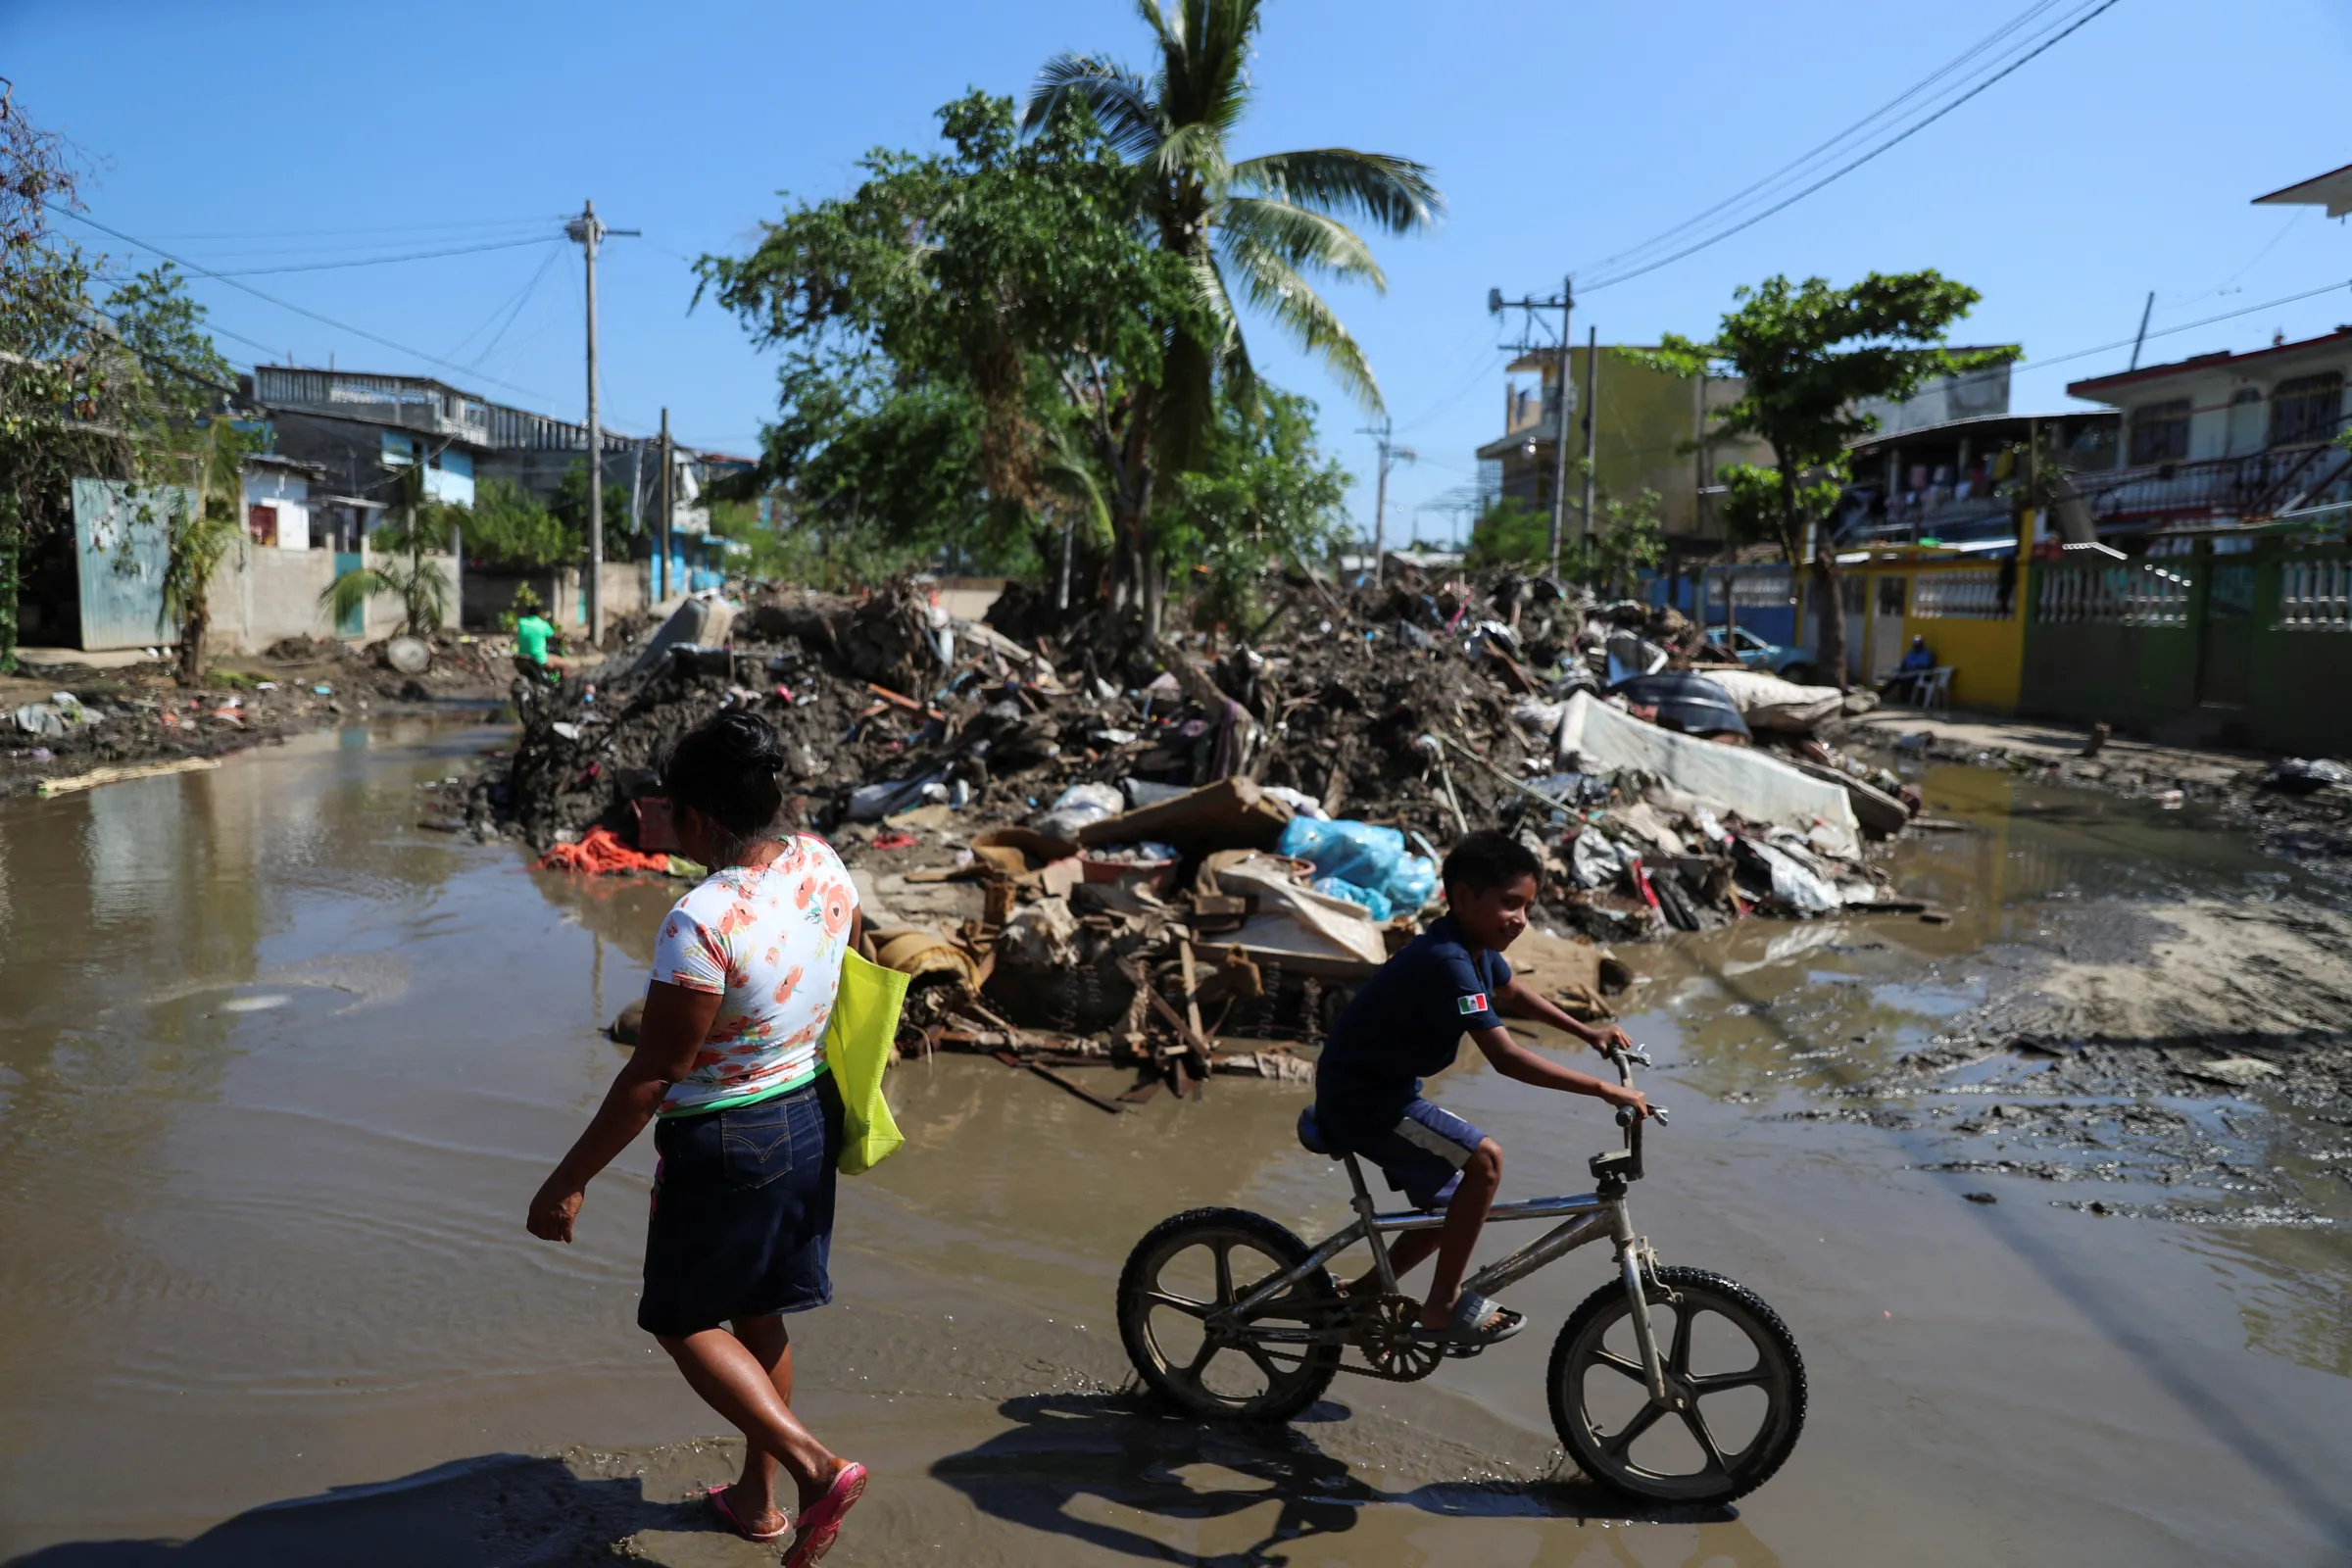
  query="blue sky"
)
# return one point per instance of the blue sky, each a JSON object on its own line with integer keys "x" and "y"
{"x": 248, "y": 134}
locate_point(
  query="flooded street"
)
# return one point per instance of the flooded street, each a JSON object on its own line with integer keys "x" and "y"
{"x": 279, "y": 1070}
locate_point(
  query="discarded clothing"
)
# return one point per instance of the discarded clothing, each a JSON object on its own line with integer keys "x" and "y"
{"x": 600, "y": 850}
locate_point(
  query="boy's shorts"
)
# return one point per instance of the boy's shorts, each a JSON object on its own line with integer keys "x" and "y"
{"x": 1424, "y": 1154}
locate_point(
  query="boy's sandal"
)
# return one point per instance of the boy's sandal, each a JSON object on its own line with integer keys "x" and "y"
{"x": 1477, "y": 1323}
{"x": 717, "y": 1496}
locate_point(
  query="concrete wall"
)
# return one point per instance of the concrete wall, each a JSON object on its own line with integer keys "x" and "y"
{"x": 563, "y": 591}
{"x": 260, "y": 595}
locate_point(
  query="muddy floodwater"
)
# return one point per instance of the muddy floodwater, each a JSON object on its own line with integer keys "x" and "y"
{"x": 279, "y": 1071}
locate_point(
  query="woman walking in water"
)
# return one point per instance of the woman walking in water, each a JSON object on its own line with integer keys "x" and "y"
{"x": 730, "y": 1067}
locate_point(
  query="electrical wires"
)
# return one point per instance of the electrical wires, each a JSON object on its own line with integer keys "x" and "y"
{"x": 2025, "y": 37}
{"x": 286, "y": 305}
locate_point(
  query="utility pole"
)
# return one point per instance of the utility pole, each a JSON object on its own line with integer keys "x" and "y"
{"x": 589, "y": 231}
{"x": 1389, "y": 454}
{"x": 1565, "y": 304}
{"x": 670, "y": 471}
{"x": 1591, "y": 373}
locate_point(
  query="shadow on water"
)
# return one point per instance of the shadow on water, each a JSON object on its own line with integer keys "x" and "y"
{"x": 500, "y": 1508}
{"x": 1065, "y": 1448}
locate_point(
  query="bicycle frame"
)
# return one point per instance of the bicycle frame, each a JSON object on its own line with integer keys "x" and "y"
{"x": 1586, "y": 1218}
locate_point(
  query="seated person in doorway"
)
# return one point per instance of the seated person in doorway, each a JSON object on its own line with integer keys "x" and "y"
{"x": 1409, "y": 1021}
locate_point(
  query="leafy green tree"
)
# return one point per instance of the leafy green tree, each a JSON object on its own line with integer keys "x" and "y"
{"x": 570, "y": 506}
{"x": 418, "y": 526}
{"x": 62, "y": 380}
{"x": 1258, "y": 227}
{"x": 1811, "y": 354}
{"x": 506, "y": 528}
{"x": 1262, "y": 492}
{"x": 958, "y": 330}
{"x": 176, "y": 387}
{"x": 183, "y": 379}
{"x": 1626, "y": 538}
{"x": 1509, "y": 533}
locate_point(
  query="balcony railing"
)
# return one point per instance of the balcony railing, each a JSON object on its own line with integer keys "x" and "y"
{"x": 2252, "y": 486}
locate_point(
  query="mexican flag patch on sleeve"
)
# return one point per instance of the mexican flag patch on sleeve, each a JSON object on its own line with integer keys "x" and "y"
{"x": 1471, "y": 1004}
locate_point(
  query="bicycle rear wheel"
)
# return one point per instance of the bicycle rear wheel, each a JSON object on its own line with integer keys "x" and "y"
{"x": 1187, "y": 1267}
{"x": 1728, "y": 1358}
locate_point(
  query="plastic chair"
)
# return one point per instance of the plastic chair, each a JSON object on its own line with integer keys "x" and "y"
{"x": 1935, "y": 687}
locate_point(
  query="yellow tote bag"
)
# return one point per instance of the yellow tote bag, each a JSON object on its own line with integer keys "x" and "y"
{"x": 860, "y": 1040}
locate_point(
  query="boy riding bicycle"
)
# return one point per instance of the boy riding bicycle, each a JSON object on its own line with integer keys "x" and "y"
{"x": 1408, "y": 1021}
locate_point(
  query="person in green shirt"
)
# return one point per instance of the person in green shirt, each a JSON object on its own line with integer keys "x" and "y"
{"x": 533, "y": 634}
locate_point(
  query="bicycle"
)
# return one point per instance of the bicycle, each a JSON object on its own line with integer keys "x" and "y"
{"x": 1612, "y": 1381}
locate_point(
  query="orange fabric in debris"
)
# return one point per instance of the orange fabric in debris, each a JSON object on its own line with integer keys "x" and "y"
{"x": 600, "y": 851}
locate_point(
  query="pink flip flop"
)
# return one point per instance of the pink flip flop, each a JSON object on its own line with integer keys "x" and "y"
{"x": 719, "y": 1503}
{"x": 820, "y": 1521}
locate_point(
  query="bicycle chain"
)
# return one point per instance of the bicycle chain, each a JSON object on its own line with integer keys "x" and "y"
{"x": 1385, "y": 1336}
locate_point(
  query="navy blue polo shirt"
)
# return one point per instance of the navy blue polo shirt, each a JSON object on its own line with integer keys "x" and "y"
{"x": 1406, "y": 1023}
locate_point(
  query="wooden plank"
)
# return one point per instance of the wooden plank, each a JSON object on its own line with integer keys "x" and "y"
{"x": 118, "y": 776}
{"x": 1192, "y": 989}
{"x": 1190, "y": 1035}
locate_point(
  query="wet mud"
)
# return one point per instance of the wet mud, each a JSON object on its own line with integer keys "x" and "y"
{"x": 279, "y": 1071}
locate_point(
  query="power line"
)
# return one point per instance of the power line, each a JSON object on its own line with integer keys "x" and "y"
{"x": 1895, "y": 140}
{"x": 522, "y": 298}
{"x": 419, "y": 229}
{"x": 287, "y": 305}
{"x": 1849, "y": 133}
{"x": 2186, "y": 326}
{"x": 383, "y": 260}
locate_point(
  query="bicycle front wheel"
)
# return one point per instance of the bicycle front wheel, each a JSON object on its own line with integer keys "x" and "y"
{"x": 1187, "y": 1268}
{"x": 1730, "y": 1363}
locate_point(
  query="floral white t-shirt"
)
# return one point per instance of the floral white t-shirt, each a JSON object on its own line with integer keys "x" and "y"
{"x": 769, "y": 939}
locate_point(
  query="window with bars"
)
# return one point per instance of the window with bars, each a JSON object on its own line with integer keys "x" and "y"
{"x": 2307, "y": 410}
{"x": 2160, "y": 433}
{"x": 1971, "y": 595}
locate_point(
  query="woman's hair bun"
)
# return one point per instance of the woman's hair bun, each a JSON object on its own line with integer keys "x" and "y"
{"x": 727, "y": 770}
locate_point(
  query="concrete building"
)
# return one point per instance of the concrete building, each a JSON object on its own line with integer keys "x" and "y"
{"x": 2225, "y": 437}
{"x": 1651, "y": 435}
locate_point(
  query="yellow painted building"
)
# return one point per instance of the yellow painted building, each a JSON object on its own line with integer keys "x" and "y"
{"x": 1970, "y": 611}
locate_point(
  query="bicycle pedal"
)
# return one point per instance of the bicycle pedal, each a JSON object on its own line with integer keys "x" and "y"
{"x": 1463, "y": 1353}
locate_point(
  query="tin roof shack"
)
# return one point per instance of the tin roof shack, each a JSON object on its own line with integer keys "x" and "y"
{"x": 2223, "y": 437}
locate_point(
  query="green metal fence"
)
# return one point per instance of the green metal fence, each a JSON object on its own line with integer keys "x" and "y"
{"x": 2231, "y": 639}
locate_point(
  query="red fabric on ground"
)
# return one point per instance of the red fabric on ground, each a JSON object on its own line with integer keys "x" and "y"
{"x": 600, "y": 850}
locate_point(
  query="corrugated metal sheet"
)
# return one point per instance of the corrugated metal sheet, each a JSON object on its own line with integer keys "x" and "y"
{"x": 120, "y": 547}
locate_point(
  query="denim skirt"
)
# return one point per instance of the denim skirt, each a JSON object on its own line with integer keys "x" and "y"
{"x": 743, "y": 1212}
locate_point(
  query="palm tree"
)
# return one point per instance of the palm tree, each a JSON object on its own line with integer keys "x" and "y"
{"x": 417, "y": 583}
{"x": 1258, "y": 227}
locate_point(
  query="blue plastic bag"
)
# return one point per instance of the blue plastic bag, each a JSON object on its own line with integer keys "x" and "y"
{"x": 1370, "y": 858}
{"x": 1371, "y": 899}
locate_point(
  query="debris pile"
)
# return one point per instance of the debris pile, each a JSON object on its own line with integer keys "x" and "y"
{"x": 1086, "y": 843}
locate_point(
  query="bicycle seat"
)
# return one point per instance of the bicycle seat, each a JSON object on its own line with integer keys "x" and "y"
{"x": 1310, "y": 1135}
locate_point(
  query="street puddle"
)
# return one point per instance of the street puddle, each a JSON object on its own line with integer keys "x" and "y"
{"x": 279, "y": 1070}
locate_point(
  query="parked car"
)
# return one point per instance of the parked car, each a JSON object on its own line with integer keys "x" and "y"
{"x": 1789, "y": 663}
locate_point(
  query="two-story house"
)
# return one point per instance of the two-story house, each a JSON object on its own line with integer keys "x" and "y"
{"x": 2223, "y": 437}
